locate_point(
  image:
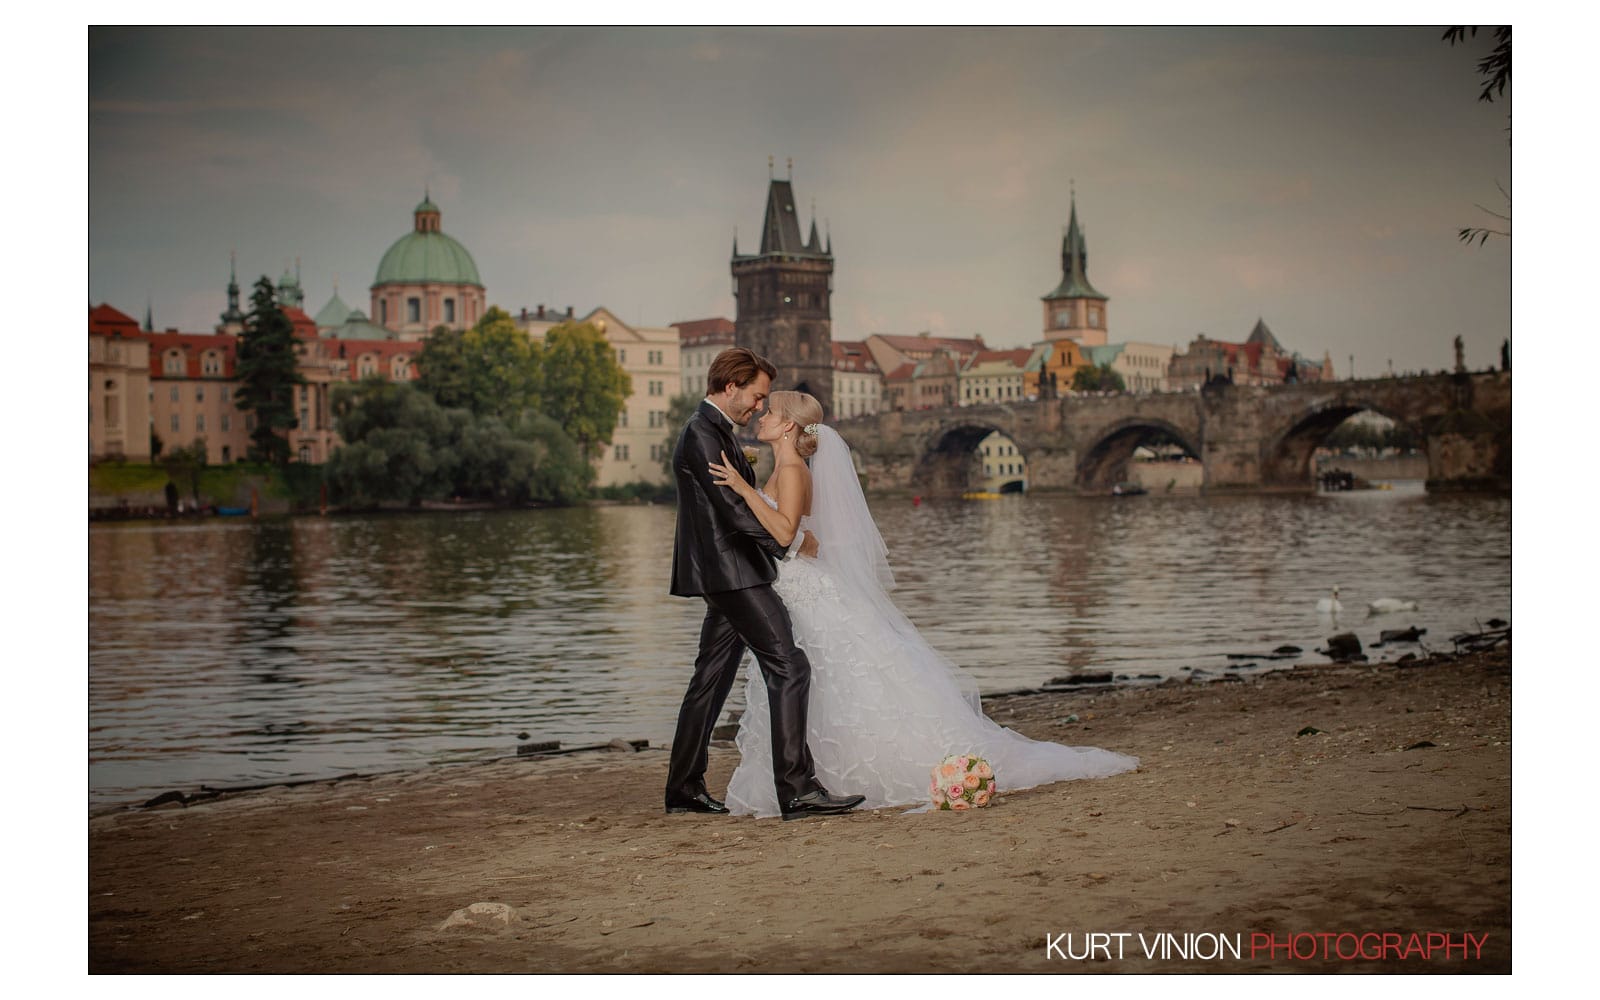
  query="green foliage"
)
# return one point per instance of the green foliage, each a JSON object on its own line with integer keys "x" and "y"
{"x": 1356, "y": 435}
{"x": 639, "y": 490}
{"x": 183, "y": 465}
{"x": 267, "y": 367}
{"x": 581, "y": 386}
{"x": 1097, "y": 379}
{"x": 679, "y": 411}
{"x": 492, "y": 369}
{"x": 1495, "y": 68}
{"x": 400, "y": 444}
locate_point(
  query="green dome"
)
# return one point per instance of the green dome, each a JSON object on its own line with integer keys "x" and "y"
{"x": 427, "y": 257}
{"x": 356, "y": 326}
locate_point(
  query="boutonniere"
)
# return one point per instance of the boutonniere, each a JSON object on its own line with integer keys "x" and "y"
{"x": 750, "y": 455}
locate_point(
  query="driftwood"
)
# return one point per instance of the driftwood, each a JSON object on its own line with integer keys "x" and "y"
{"x": 1477, "y": 642}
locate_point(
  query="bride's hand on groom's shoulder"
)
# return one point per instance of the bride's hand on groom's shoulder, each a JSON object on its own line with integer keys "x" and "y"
{"x": 723, "y": 474}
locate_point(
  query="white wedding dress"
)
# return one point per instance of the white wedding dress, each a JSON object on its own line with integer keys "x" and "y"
{"x": 885, "y": 707}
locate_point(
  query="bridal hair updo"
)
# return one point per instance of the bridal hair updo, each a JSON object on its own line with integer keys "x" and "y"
{"x": 804, "y": 410}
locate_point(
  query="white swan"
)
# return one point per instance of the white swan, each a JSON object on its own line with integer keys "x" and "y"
{"x": 1389, "y": 605}
{"x": 1330, "y": 605}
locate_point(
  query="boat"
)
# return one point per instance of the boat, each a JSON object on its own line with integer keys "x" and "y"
{"x": 1128, "y": 490}
{"x": 232, "y": 511}
{"x": 980, "y": 495}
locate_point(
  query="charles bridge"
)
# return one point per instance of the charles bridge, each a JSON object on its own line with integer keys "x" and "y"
{"x": 1249, "y": 438}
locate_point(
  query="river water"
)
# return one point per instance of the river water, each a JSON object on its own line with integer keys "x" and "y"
{"x": 228, "y": 652}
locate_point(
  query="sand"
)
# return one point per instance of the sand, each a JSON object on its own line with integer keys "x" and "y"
{"x": 1234, "y": 829}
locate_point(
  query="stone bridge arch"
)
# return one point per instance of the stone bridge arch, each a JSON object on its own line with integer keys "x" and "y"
{"x": 949, "y": 462}
{"x": 1103, "y": 462}
{"x": 1286, "y": 454}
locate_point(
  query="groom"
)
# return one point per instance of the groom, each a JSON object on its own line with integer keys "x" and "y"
{"x": 723, "y": 555}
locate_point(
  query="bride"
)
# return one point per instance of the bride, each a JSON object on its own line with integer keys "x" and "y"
{"x": 885, "y": 707}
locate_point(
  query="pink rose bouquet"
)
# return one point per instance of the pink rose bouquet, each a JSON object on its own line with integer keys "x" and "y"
{"x": 962, "y": 781}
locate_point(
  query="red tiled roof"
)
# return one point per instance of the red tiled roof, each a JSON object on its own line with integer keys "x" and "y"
{"x": 105, "y": 320}
{"x": 853, "y": 356}
{"x": 698, "y": 332}
{"x": 194, "y": 347}
{"x": 1017, "y": 356}
{"x": 905, "y": 371}
{"x": 903, "y": 342}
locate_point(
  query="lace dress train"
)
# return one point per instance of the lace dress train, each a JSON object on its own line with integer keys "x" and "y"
{"x": 885, "y": 708}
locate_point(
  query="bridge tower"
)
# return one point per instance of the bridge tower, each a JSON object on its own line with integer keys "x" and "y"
{"x": 783, "y": 297}
{"x": 1074, "y": 310}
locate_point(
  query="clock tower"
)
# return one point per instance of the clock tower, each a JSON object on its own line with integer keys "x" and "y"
{"x": 783, "y": 298}
{"x": 1074, "y": 310}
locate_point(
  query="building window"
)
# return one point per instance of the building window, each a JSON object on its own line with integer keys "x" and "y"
{"x": 199, "y": 394}
{"x": 225, "y": 394}
{"x": 227, "y": 452}
{"x": 656, "y": 388}
{"x": 304, "y": 418}
{"x": 305, "y": 453}
{"x": 622, "y": 418}
{"x": 174, "y": 363}
{"x": 449, "y": 310}
{"x": 622, "y": 356}
{"x": 111, "y": 411}
{"x": 413, "y": 310}
{"x": 199, "y": 423}
{"x": 175, "y": 425}
{"x": 174, "y": 394}
{"x": 303, "y": 391}
{"x": 1094, "y": 317}
{"x": 227, "y": 425}
{"x": 622, "y": 453}
{"x": 383, "y": 312}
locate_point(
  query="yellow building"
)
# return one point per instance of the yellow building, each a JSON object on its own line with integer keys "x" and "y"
{"x": 993, "y": 377}
{"x": 650, "y": 356}
{"x": 1005, "y": 470}
{"x": 119, "y": 391}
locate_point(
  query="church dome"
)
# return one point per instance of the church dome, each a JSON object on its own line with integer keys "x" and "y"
{"x": 426, "y": 256}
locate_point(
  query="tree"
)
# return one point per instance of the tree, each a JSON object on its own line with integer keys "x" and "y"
{"x": 1495, "y": 68}
{"x": 491, "y": 369}
{"x": 268, "y": 370}
{"x": 1097, "y": 379}
{"x": 679, "y": 411}
{"x": 400, "y": 444}
{"x": 581, "y": 386}
{"x": 184, "y": 465}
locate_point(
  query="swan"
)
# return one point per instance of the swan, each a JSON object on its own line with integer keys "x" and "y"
{"x": 1389, "y": 605}
{"x": 1330, "y": 605}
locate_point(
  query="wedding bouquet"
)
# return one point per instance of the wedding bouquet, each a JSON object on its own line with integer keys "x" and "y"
{"x": 962, "y": 781}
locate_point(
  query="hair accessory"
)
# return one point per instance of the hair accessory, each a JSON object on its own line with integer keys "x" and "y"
{"x": 811, "y": 429}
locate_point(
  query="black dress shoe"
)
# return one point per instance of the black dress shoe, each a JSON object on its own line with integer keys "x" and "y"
{"x": 699, "y": 802}
{"x": 820, "y": 803}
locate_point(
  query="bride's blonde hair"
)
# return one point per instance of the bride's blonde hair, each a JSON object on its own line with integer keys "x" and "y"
{"x": 804, "y": 410}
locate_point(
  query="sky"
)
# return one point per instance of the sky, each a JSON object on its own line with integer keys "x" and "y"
{"x": 1312, "y": 177}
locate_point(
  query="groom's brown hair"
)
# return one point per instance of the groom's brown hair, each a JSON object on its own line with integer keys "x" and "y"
{"x": 738, "y": 365}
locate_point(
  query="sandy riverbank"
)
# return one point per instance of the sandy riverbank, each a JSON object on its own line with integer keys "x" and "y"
{"x": 1233, "y": 825}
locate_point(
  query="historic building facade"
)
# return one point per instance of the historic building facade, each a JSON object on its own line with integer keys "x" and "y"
{"x": 783, "y": 297}
{"x": 857, "y": 382}
{"x": 1074, "y": 309}
{"x": 119, "y": 388}
{"x": 699, "y": 342}
{"x": 426, "y": 279}
{"x": 1048, "y": 372}
{"x": 651, "y": 357}
{"x": 1143, "y": 367}
{"x": 1259, "y": 360}
{"x": 993, "y": 377}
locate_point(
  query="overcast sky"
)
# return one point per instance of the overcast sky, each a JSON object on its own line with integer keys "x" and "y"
{"x": 1313, "y": 177}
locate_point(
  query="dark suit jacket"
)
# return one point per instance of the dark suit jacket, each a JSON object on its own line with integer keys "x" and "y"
{"x": 720, "y": 545}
